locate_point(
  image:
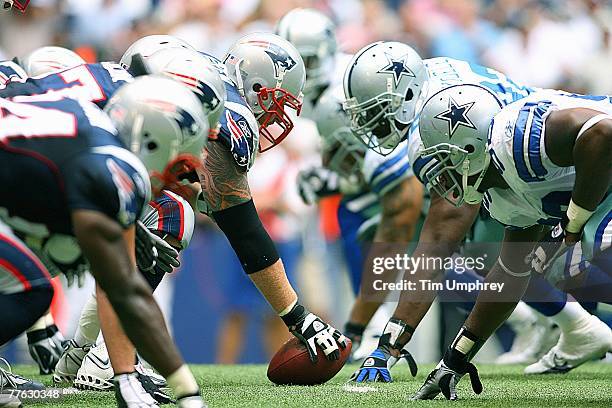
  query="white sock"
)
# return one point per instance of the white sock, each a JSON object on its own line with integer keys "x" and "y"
{"x": 89, "y": 324}
{"x": 182, "y": 382}
{"x": 571, "y": 316}
{"x": 522, "y": 315}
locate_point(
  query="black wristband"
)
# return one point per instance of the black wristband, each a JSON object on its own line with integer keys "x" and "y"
{"x": 251, "y": 242}
{"x": 462, "y": 350}
{"x": 297, "y": 313}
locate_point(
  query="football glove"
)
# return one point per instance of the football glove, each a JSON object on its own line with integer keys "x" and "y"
{"x": 444, "y": 379}
{"x": 130, "y": 393}
{"x": 550, "y": 247}
{"x": 375, "y": 368}
{"x": 61, "y": 255}
{"x": 153, "y": 253}
{"x": 316, "y": 183}
{"x": 313, "y": 332}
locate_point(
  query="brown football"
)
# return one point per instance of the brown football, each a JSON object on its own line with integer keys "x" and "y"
{"x": 292, "y": 366}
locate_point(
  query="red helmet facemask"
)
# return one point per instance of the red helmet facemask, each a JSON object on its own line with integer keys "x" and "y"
{"x": 21, "y": 5}
{"x": 274, "y": 123}
{"x": 179, "y": 172}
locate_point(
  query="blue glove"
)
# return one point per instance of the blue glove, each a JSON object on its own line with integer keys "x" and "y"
{"x": 375, "y": 368}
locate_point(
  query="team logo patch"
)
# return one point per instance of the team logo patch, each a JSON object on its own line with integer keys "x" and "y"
{"x": 456, "y": 115}
{"x": 282, "y": 61}
{"x": 369, "y": 362}
{"x": 241, "y": 139}
{"x": 398, "y": 68}
{"x": 126, "y": 191}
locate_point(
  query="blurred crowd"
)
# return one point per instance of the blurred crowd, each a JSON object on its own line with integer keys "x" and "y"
{"x": 564, "y": 44}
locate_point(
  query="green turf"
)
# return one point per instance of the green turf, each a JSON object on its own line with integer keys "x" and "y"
{"x": 504, "y": 386}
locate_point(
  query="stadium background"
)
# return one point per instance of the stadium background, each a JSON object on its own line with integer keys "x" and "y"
{"x": 547, "y": 43}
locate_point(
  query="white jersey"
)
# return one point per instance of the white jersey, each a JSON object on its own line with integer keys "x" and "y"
{"x": 539, "y": 190}
{"x": 444, "y": 72}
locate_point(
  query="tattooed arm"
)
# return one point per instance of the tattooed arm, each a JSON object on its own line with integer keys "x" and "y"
{"x": 224, "y": 184}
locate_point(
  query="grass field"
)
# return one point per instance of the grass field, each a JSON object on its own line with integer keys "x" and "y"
{"x": 504, "y": 386}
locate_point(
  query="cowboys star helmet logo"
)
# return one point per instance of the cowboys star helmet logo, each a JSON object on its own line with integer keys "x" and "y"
{"x": 397, "y": 68}
{"x": 456, "y": 115}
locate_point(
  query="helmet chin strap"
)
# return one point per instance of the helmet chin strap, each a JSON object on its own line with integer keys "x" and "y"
{"x": 471, "y": 195}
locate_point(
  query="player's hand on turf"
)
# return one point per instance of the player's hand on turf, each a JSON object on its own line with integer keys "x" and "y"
{"x": 194, "y": 401}
{"x": 313, "y": 332}
{"x": 552, "y": 246}
{"x": 375, "y": 368}
{"x": 444, "y": 380}
{"x": 315, "y": 183}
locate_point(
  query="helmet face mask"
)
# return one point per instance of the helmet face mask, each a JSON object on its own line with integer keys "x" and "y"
{"x": 269, "y": 73}
{"x": 343, "y": 157}
{"x": 275, "y": 123}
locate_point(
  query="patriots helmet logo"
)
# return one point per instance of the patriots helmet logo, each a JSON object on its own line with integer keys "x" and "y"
{"x": 456, "y": 115}
{"x": 397, "y": 67}
{"x": 187, "y": 123}
{"x": 282, "y": 61}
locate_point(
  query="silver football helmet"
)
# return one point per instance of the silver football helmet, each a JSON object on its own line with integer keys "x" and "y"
{"x": 454, "y": 126}
{"x": 314, "y": 36}
{"x": 163, "y": 123}
{"x": 384, "y": 85}
{"x": 147, "y": 46}
{"x": 199, "y": 74}
{"x": 342, "y": 152}
{"x": 45, "y": 60}
{"x": 269, "y": 73}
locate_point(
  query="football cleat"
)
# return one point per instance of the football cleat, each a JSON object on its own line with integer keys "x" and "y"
{"x": 590, "y": 342}
{"x": 194, "y": 401}
{"x": 532, "y": 340}
{"x": 96, "y": 372}
{"x": 46, "y": 347}
{"x": 10, "y": 381}
{"x": 156, "y": 378}
{"x": 9, "y": 401}
{"x": 70, "y": 362}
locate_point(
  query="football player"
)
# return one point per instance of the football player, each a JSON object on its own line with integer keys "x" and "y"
{"x": 385, "y": 86}
{"x": 314, "y": 36}
{"x": 88, "y": 367}
{"x": 541, "y": 167}
{"x": 68, "y": 146}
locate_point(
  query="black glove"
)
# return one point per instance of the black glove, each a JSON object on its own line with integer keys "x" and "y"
{"x": 315, "y": 183}
{"x": 550, "y": 247}
{"x": 445, "y": 379}
{"x": 313, "y": 332}
{"x": 146, "y": 253}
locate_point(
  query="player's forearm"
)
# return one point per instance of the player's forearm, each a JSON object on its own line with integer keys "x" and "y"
{"x": 492, "y": 308}
{"x": 401, "y": 209}
{"x": 592, "y": 153}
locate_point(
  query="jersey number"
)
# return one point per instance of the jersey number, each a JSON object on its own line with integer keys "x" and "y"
{"x": 21, "y": 120}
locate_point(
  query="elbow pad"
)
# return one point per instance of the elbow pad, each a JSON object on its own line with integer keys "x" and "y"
{"x": 247, "y": 236}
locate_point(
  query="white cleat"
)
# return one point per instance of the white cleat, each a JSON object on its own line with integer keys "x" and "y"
{"x": 9, "y": 401}
{"x": 532, "y": 340}
{"x": 156, "y": 378}
{"x": 590, "y": 342}
{"x": 70, "y": 362}
{"x": 96, "y": 372}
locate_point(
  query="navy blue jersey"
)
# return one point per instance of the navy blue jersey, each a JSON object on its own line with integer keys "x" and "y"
{"x": 10, "y": 71}
{"x": 88, "y": 82}
{"x": 239, "y": 130}
{"x": 63, "y": 155}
